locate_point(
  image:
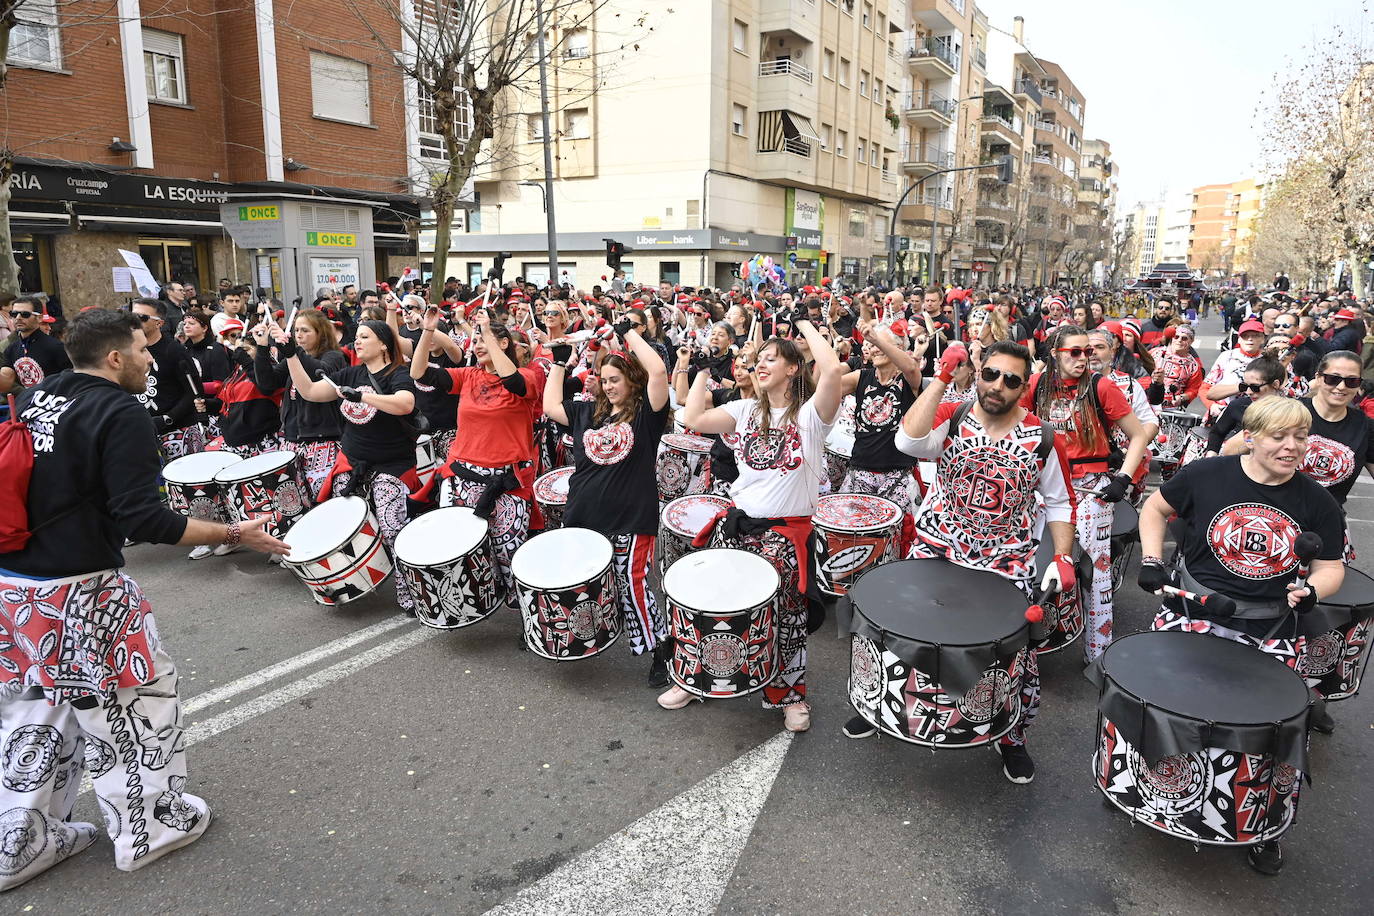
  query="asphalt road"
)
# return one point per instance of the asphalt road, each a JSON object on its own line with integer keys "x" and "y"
{"x": 357, "y": 763}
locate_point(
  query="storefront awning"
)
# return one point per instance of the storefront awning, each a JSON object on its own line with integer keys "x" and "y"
{"x": 798, "y": 126}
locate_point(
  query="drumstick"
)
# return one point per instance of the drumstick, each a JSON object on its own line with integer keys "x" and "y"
{"x": 1220, "y": 604}
{"x": 1307, "y": 546}
{"x": 199, "y": 392}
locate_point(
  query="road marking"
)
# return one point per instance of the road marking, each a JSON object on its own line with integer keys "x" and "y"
{"x": 678, "y": 858}
{"x": 252, "y": 681}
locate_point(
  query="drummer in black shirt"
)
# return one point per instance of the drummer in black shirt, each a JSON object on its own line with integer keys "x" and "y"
{"x": 884, "y": 391}
{"x": 613, "y": 489}
{"x": 1241, "y": 517}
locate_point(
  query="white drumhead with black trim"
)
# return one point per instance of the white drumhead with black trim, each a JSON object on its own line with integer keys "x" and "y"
{"x": 562, "y": 557}
{"x": 721, "y": 580}
{"x": 249, "y": 468}
{"x": 439, "y": 537}
{"x": 201, "y": 467}
{"x": 325, "y": 528}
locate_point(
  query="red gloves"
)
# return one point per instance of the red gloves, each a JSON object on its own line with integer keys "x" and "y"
{"x": 954, "y": 356}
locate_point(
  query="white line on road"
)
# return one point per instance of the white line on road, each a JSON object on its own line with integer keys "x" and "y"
{"x": 678, "y": 858}
{"x": 272, "y": 672}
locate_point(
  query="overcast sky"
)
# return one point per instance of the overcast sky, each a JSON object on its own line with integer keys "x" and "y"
{"x": 1172, "y": 85}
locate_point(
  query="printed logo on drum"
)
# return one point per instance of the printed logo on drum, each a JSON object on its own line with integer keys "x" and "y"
{"x": 1253, "y": 541}
{"x": 358, "y": 412}
{"x": 879, "y": 409}
{"x": 28, "y": 371}
{"x": 1327, "y": 461}
{"x": 777, "y": 449}
{"x": 608, "y": 444}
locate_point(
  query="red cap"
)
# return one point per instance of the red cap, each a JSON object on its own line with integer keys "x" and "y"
{"x": 1112, "y": 327}
{"x": 1346, "y": 314}
{"x": 233, "y": 324}
{"x": 1253, "y": 325}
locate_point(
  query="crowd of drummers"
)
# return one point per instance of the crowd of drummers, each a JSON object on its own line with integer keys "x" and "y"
{"x": 709, "y": 474}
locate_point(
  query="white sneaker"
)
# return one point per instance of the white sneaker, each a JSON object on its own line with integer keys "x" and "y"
{"x": 223, "y": 550}
{"x": 201, "y": 552}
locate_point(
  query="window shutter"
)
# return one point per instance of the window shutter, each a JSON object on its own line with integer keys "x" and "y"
{"x": 339, "y": 88}
{"x": 159, "y": 42}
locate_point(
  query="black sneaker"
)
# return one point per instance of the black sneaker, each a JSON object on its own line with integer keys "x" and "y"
{"x": 859, "y": 727}
{"x": 1321, "y": 720}
{"x": 658, "y": 671}
{"x": 1016, "y": 763}
{"x": 1266, "y": 858}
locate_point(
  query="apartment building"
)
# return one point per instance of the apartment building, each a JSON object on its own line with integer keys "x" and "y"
{"x": 1177, "y": 227}
{"x": 1054, "y": 173}
{"x": 740, "y": 128}
{"x": 1093, "y": 222}
{"x": 264, "y": 144}
{"x": 1222, "y": 224}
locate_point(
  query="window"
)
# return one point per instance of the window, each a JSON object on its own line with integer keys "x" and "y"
{"x": 878, "y": 91}
{"x": 841, "y": 141}
{"x": 740, "y": 36}
{"x": 163, "y": 68}
{"x": 737, "y": 119}
{"x": 670, "y": 272}
{"x": 844, "y": 72}
{"x": 863, "y": 148}
{"x": 827, "y": 134}
{"x": 339, "y": 88}
{"x": 873, "y": 154}
{"x": 577, "y": 124}
{"x": 863, "y": 84}
{"x": 34, "y": 38}
{"x": 693, "y": 214}
{"x": 882, "y": 24}
{"x": 534, "y": 127}
{"x": 828, "y": 65}
{"x": 432, "y": 143}
{"x": 857, "y": 224}
{"x": 576, "y": 44}
{"x": 867, "y": 17}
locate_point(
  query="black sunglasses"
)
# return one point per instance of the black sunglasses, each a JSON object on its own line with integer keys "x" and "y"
{"x": 1284, "y": 327}
{"x": 1252, "y": 387}
{"x": 1334, "y": 381}
{"x": 141, "y": 317}
{"x": 18, "y": 314}
{"x": 1009, "y": 379}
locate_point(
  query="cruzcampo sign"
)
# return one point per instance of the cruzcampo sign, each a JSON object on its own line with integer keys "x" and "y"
{"x": 258, "y": 213}
{"x": 331, "y": 240}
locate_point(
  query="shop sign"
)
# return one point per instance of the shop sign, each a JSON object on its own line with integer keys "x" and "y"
{"x": 331, "y": 240}
{"x": 259, "y": 212}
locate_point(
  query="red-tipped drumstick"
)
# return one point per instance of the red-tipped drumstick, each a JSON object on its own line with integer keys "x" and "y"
{"x": 1221, "y": 605}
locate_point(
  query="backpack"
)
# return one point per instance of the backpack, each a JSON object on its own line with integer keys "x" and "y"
{"x": 16, "y": 457}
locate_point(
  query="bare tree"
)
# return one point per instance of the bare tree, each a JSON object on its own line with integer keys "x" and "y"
{"x": 1297, "y": 232}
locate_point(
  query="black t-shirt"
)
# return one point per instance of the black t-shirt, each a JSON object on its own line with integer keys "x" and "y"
{"x": 723, "y": 466}
{"x": 1229, "y": 423}
{"x": 613, "y": 489}
{"x": 170, "y": 398}
{"x": 35, "y": 357}
{"x": 878, "y": 411}
{"x": 1336, "y": 452}
{"x": 381, "y": 439}
{"x": 1240, "y": 534}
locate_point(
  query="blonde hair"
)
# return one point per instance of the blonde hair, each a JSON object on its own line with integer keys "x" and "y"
{"x": 1273, "y": 415}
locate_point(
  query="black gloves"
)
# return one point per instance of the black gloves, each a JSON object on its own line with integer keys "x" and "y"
{"x": 1116, "y": 490}
{"x": 287, "y": 348}
{"x": 623, "y": 326}
{"x": 350, "y": 394}
{"x": 1306, "y": 604}
{"x": 561, "y": 352}
{"x": 1152, "y": 577}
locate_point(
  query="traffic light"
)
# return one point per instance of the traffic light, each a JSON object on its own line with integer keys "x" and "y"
{"x": 498, "y": 267}
{"x": 1006, "y": 169}
{"x": 614, "y": 252}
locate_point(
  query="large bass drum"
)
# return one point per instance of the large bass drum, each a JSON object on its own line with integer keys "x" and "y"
{"x": 446, "y": 558}
{"x": 566, "y": 586}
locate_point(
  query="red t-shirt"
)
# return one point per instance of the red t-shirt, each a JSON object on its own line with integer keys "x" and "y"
{"x": 1062, "y": 418}
{"x": 495, "y": 427}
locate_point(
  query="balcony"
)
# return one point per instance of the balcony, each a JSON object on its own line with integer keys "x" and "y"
{"x": 931, "y": 59}
{"x": 996, "y": 127}
{"x": 785, "y": 67}
{"x": 924, "y": 158}
{"x": 928, "y": 109}
{"x": 980, "y": 59}
{"x": 1027, "y": 88}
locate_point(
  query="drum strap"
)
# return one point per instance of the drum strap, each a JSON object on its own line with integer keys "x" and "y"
{"x": 1245, "y": 610}
{"x": 1042, "y": 451}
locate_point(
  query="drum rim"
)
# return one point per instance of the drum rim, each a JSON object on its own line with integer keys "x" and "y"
{"x": 858, "y": 610}
{"x": 701, "y": 554}
{"x": 697, "y": 447}
{"x": 534, "y": 487}
{"x": 557, "y": 588}
{"x": 367, "y": 511}
{"x": 831, "y": 527}
{"x": 396, "y": 550}
{"x": 234, "y": 459}
{"x": 663, "y": 515}
{"x": 268, "y": 469}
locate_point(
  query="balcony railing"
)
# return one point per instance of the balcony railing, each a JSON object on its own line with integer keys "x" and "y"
{"x": 928, "y": 47}
{"x": 1028, "y": 88}
{"x": 916, "y": 152}
{"x": 980, "y": 57}
{"x": 1045, "y": 124}
{"x": 783, "y": 67}
{"x": 797, "y": 147}
{"x": 1046, "y": 158}
{"x": 991, "y": 118}
{"x": 931, "y": 101}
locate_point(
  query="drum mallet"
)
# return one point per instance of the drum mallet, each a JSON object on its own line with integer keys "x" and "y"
{"x": 1218, "y": 604}
{"x": 1306, "y": 547}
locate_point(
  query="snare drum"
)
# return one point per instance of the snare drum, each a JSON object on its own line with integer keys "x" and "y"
{"x": 938, "y": 653}
{"x": 1196, "y": 447}
{"x": 683, "y": 461}
{"x": 1173, "y": 438}
{"x": 551, "y": 493}
{"x": 1201, "y": 738}
{"x": 861, "y": 531}
{"x": 446, "y": 559}
{"x": 723, "y": 614}
{"x": 192, "y": 489}
{"x": 337, "y": 551}
{"x": 566, "y": 586}
{"x": 272, "y": 484}
{"x": 1125, "y": 535}
{"x": 426, "y": 460}
{"x": 839, "y": 448}
{"x": 1063, "y": 621}
{"x": 1338, "y": 638}
{"x": 681, "y": 521}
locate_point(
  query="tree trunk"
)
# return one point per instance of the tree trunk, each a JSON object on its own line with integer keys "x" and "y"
{"x": 9, "y": 271}
{"x": 445, "y": 197}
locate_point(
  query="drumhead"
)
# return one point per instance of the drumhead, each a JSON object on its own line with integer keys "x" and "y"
{"x": 560, "y": 558}
{"x": 721, "y": 580}
{"x": 1204, "y": 678}
{"x": 551, "y": 489}
{"x": 439, "y": 537}
{"x": 687, "y": 515}
{"x": 840, "y": 444}
{"x": 937, "y": 602}
{"x": 198, "y": 468}
{"x": 686, "y": 442}
{"x": 325, "y": 528}
{"x": 258, "y": 464}
{"x": 1356, "y": 592}
{"x": 856, "y": 512}
{"x": 1125, "y": 519}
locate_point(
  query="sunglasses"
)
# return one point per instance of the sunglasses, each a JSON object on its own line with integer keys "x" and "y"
{"x": 553, "y": 314}
{"x": 1252, "y": 387}
{"x": 18, "y": 314}
{"x": 1075, "y": 352}
{"x": 1009, "y": 379}
{"x": 1284, "y": 327}
{"x": 1335, "y": 381}
{"x": 142, "y": 317}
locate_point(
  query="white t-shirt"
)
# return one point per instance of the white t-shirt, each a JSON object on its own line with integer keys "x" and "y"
{"x": 780, "y": 473}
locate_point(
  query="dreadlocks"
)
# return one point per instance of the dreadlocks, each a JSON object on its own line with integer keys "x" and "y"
{"x": 1052, "y": 386}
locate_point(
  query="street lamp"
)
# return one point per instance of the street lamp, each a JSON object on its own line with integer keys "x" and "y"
{"x": 550, "y": 225}
{"x": 543, "y": 194}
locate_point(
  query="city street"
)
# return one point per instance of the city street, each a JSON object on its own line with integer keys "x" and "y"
{"x": 357, "y": 763}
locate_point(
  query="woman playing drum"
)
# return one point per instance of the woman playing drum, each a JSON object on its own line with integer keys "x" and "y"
{"x": 883, "y": 392}
{"x": 779, "y": 442}
{"x": 613, "y": 489}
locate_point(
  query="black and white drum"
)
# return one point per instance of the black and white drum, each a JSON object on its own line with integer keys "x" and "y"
{"x": 1125, "y": 535}
{"x": 551, "y": 493}
{"x": 337, "y": 551}
{"x": 683, "y": 463}
{"x": 446, "y": 558}
{"x": 1063, "y": 621}
{"x": 1200, "y": 738}
{"x": 723, "y": 615}
{"x": 272, "y": 484}
{"x": 938, "y": 653}
{"x": 681, "y": 521}
{"x": 1338, "y": 638}
{"x": 1172, "y": 440}
{"x": 192, "y": 489}
{"x": 566, "y": 586}
{"x": 1196, "y": 447}
{"x": 426, "y": 460}
{"x": 839, "y": 449}
{"x": 861, "y": 531}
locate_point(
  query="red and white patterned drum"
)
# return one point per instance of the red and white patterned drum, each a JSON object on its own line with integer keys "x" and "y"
{"x": 1063, "y": 620}
{"x": 839, "y": 448}
{"x": 1172, "y": 441}
{"x": 337, "y": 551}
{"x": 446, "y": 558}
{"x": 551, "y": 493}
{"x": 426, "y": 461}
{"x": 681, "y": 520}
{"x": 1334, "y": 662}
{"x": 861, "y": 531}
{"x": 682, "y": 465}
{"x": 1196, "y": 447}
{"x": 192, "y": 490}
{"x": 723, "y": 615}
{"x": 272, "y": 484}
{"x": 566, "y": 586}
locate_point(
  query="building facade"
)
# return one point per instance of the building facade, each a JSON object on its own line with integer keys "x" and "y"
{"x": 1096, "y": 211}
{"x": 1223, "y": 223}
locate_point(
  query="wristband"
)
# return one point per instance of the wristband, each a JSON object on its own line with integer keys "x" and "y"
{"x": 232, "y": 535}
{"x": 1152, "y": 560}
{"x": 945, "y": 377}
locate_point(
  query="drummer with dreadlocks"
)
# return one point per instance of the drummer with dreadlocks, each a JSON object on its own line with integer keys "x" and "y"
{"x": 1085, "y": 407}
